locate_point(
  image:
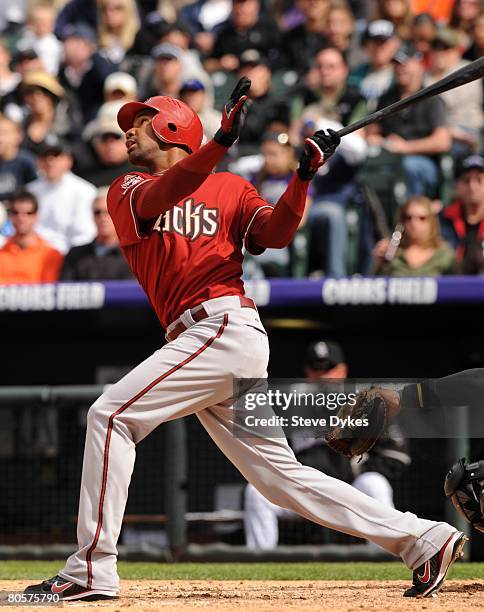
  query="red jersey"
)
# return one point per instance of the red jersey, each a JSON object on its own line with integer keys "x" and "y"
{"x": 193, "y": 252}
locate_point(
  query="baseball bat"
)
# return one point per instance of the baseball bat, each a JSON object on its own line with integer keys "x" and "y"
{"x": 466, "y": 74}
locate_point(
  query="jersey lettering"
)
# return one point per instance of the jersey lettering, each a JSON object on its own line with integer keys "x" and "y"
{"x": 190, "y": 220}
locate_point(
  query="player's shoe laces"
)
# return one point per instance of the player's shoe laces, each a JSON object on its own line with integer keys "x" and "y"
{"x": 429, "y": 577}
{"x": 67, "y": 590}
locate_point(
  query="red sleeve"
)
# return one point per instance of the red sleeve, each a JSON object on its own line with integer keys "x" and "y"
{"x": 121, "y": 207}
{"x": 253, "y": 206}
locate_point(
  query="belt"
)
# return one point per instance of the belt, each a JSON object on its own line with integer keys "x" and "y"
{"x": 199, "y": 313}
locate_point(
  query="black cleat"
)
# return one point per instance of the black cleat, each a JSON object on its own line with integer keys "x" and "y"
{"x": 429, "y": 577}
{"x": 67, "y": 590}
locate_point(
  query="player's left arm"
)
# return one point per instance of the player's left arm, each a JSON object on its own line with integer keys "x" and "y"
{"x": 276, "y": 227}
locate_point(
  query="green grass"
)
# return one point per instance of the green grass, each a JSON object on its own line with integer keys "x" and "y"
{"x": 33, "y": 570}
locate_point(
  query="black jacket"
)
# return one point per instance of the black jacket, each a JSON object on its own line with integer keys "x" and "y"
{"x": 82, "y": 263}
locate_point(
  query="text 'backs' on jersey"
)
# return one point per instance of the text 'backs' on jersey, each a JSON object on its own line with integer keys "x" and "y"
{"x": 195, "y": 247}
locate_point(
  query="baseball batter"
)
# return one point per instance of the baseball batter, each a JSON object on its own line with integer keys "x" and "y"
{"x": 182, "y": 230}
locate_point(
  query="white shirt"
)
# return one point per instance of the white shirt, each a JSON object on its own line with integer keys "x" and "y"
{"x": 47, "y": 47}
{"x": 65, "y": 211}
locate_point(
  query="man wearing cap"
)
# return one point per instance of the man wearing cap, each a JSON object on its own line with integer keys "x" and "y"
{"x": 463, "y": 104}
{"x": 65, "y": 217}
{"x": 83, "y": 71}
{"x": 167, "y": 72}
{"x": 107, "y": 157}
{"x": 419, "y": 133}
{"x": 374, "y": 78}
{"x": 325, "y": 361}
{"x": 463, "y": 221}
{"x": 194, "y": 94}
{"x": 120, "y": 86}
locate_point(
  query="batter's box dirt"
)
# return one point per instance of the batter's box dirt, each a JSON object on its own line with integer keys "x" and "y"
{"x": 272, "y": 596}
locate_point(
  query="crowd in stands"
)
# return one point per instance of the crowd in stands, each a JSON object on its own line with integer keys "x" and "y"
{"x": 405, "y": 196}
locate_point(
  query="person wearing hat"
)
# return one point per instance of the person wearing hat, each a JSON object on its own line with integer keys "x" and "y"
{"x": 166, "y": 75}
{"x": 45, "y": 109}
{"x": 120, "y": 86}
{"x": 65, "y": 217}
{"x": 84, "y": 70}
{"x": 419, "y": 134}
{"x": 463, "y": 104}
{"x": 375, "y": 77}
{"x": 463, "y": 220}
{"x": 107, "y": 157}
{"x": 325, "y": 361}
{"x": 194, "y": 94}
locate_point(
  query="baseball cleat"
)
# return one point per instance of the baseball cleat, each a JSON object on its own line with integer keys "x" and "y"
{"x": 429, "y": 577}
{"x": 67, "y": 590}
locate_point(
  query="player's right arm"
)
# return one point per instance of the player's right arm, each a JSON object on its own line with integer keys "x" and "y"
{"x": 182, "y": 179}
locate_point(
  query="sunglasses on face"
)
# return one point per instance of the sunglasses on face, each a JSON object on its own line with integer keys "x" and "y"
{"x": 97, "y": 212}
{"x": 418, "y": 217}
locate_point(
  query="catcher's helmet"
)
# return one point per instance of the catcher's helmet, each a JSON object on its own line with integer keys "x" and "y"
{"x": 464, "y": 485}
{"x": 174, "y": 123}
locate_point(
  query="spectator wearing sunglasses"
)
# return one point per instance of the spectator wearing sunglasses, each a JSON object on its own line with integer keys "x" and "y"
{"x": 107, "y": 157}
{"x": 422, "y": 251}
{"x": 65, "y": 217}
{"x": 26, "y": 257}
{"x": 100, "y": 259}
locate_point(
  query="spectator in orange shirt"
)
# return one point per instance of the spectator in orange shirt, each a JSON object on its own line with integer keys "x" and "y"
{"x": 26, "y": 257}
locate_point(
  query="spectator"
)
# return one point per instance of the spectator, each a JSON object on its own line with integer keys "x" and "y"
{"x": 334, "y": 187}
{"x": 419, "y": 133}
{"x": 65, "y": 217}
{"x": 25, "y": 60}
{"x": 300, "y": 44}
{"x": 39, "y": 36}
{"x": 476, "y": 50}
{"x": 117, "y": 25}
{"x": 204, "y": 17}
{"x": 463, "y": 104}
{"x": 333, "y": 98}
{"x": 439, "y": 12}
{"x": 120, "y": 86}
{"x": 463, "y": 220}
{"x": 84, "y": 71}
{"x": 340, "y": 33}
{"x": 375, "y": 77}
{"x": 424, "y": 30}
{"x": 194, "y": 94}
{"x": 17, "y": 168}
{"x": 421, "y": 252}
{"x": 166, "y": 76}
{"x": 8, "y": 79}
{"x": 75, "y": 12}
{"x": 278, "y": 162}
{"x": 26, "y": 257}
{"x": 246, "y": 29}
{"x": 108, "y": 155}
{"x": 266, "y": 108}
{"x": 152, "y": 27}
{"x": 101, "y": 259}
{"x": 465, "y": 15}
{"x": 325, "y": 361}
{"x": 46, "y": 110}
{"x": 399, "y": 12}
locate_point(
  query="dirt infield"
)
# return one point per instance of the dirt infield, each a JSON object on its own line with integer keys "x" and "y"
{"x": 265, "y": 596}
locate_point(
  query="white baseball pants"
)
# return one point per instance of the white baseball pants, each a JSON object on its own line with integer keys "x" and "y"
{"x": 194, "y": 374}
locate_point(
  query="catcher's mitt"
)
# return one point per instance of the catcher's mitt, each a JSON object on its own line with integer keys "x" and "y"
{"x": 359, "y": 426}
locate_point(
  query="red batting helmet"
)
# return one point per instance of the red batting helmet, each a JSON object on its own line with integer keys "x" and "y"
{"x": 174, "y": 122}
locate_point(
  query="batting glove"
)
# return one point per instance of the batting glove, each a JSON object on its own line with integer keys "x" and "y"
{"x": 233, "y": 114}
{"x": 317, "y": 150}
